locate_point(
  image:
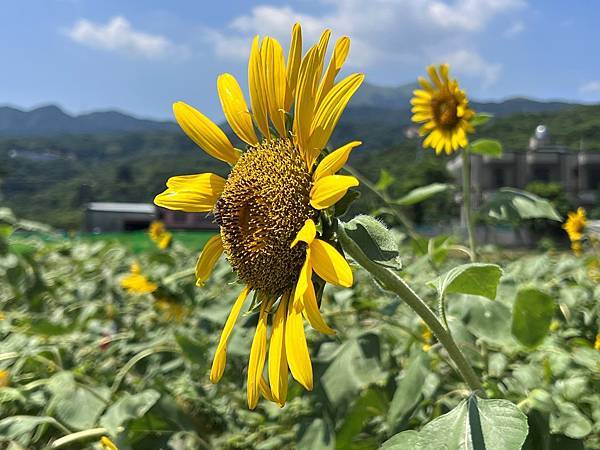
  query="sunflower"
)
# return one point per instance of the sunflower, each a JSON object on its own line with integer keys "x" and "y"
{"x": 136, "y": 283}
{"x": 269, "y": 206}
{"x": 159, "y": 234}
{"x": 444, "y": 109}
{"x": 574, "y": 226}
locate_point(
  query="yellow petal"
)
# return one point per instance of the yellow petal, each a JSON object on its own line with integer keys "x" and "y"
{"x": 340, "y": 53}
{"x": 312, "y": 313}
{"x": 205, "y": 133}
{"x": 434, "y": 76}
{"x": 191, "y": 193}
{"x": 304, "y": 278}
{"x": 305, "y": 100}
{"x": 334, "y": 161}
{"x": 330, "y": 111}
{"x": 235, "y": 108}
{"x": 258, "y": 352}
{"x": 306, "y": 234}
{"x": 278, "y": 366}
{"x": 322, "y": 45}
{"x": 265, "y": 390}
{"x": 329, "y": 264}
{"x": 274, "y": 70}
{"x": 293, "y": 65}
{"x": 328, "y": 190}
{"x": 296, "y": 348}
{"x": 220, "y": 358}
{"x": 208, "y": 258}
{"x": 258, "y": 92}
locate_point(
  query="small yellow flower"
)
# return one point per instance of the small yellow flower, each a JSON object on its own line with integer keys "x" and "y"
{"x": 594, "y": 270}
{"x": 268, "y": 205}
{"x": 443, "y": 108}
{"x": 4, "y": 378}
{"x": 597, "y": 343}
{"x": 159, "y": 234}
{"x": 107, "y": 444}
{"x": 136, "y": 283}
{"x": 574, "y": 226}
{"x": 171, "y": 310}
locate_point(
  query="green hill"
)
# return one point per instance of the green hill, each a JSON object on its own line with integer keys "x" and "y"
{"x": 52, "y": 177}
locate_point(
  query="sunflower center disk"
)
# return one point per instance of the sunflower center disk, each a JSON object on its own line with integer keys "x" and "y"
{"x": 445, "y": 110}
{"x": 263, "y": 206}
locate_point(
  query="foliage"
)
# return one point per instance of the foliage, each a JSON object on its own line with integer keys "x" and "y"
{"x": 81, "y": 353}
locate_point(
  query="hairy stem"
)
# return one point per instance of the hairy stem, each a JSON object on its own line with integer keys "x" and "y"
{"x": 467, "y": 207}
{"x": 395, "y": 284}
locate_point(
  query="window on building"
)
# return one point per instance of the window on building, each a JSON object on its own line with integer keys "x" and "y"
{"x": 593, "y": 180}
{"x": 498, "y": 177}
{"x": 541, "y": 173}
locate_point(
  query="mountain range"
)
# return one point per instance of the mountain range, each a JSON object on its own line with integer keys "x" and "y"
{"x": 385, "y": 104}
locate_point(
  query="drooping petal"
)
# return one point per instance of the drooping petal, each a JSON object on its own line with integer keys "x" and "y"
{"x": 258, "y": 353}
{"x": 340, "y": 53}
{"x": 329, "y": 112}
{"x": 278, "y": 366}
{"x": 293, "y": 65}
{"x": 205, "y": 133}
{"x": 296, "y": 348}
{"x": 235, "y": 108}
{"x": 306, "y": 234}
{"x": 274, "y": 70}
{"x": 258, "y": 93}
{"x": 334, "y": 161}
{"x": 312, "y": 313}
{"x": 220, "y": 358}
{"x": 265, "y": 390}
{"x": 191, "y": 193}
{"x": 329, "y": 264}
{"x": 208, "y": 258}
{"x": 328, "y": 190}
{"x": 304, "y": 278}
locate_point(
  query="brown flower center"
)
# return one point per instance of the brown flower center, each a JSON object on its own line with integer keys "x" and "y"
{"x": 263, "y": 206}
{"x": 445, "y": 110}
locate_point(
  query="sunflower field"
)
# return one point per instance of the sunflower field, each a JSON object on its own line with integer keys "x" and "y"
{"x": 321, "y": 327}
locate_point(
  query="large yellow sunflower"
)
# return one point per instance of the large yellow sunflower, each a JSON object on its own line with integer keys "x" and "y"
{"x": 444, "y": 109}
{"x": 276, "y": 192}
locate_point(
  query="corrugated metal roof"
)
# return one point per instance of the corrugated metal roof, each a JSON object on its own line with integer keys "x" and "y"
{"x": 142, "y": 208}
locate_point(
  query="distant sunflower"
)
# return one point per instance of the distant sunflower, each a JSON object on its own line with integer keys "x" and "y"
{"x": 268, "y": 206}
{"x": 136, "y": 283}
{"x": 159, "y": 234}
{"x": 444, "y": 109}
{"x": 574, "y": 226}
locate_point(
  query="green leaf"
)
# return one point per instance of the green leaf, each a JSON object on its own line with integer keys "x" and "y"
{"x": 409, "y": 391}
{"x": 75, "y": 405}
{"x": 192, "y": 349}
{"x": 421, "y": 193}
{"x": 503, "y": 426}
{"x": 513, "y": 205}
{"x": 127, "y": 408}
{"x": 317, "y": 436}
{"x": 474, "y": 279}
{"x": 371, "y": 403}
{"x": 377, "y": 242}
{"x": 532, "y": 315}
{"x": 20, "y": 428}
{"x": 475, "y": 424}
{"x": 342, "y": 206}
{"x": 570, "y": 421}
{"x": 481, "y": 119}
{"x": 486, "y": 147}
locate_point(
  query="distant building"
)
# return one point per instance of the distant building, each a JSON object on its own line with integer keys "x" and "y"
{"x": 179, "y": 220}
{"x": 101, "y": 217}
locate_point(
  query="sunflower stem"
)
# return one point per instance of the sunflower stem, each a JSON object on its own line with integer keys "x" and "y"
{"x": 467, "y": 204}
{"x": 396, "y": 284}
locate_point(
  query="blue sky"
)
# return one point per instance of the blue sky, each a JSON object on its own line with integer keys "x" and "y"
{"x": 140, "y": 56}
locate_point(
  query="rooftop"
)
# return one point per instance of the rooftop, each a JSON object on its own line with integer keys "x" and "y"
{"x": 142, "y": 208}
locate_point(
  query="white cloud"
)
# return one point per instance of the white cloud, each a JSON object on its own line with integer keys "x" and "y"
{"x": 118, "y": 35}
{"x": 472, "y": 64}
{"x": 515, "y": 29}
{"x": 384, "y": 33}
{"x": 592, "y": 87}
